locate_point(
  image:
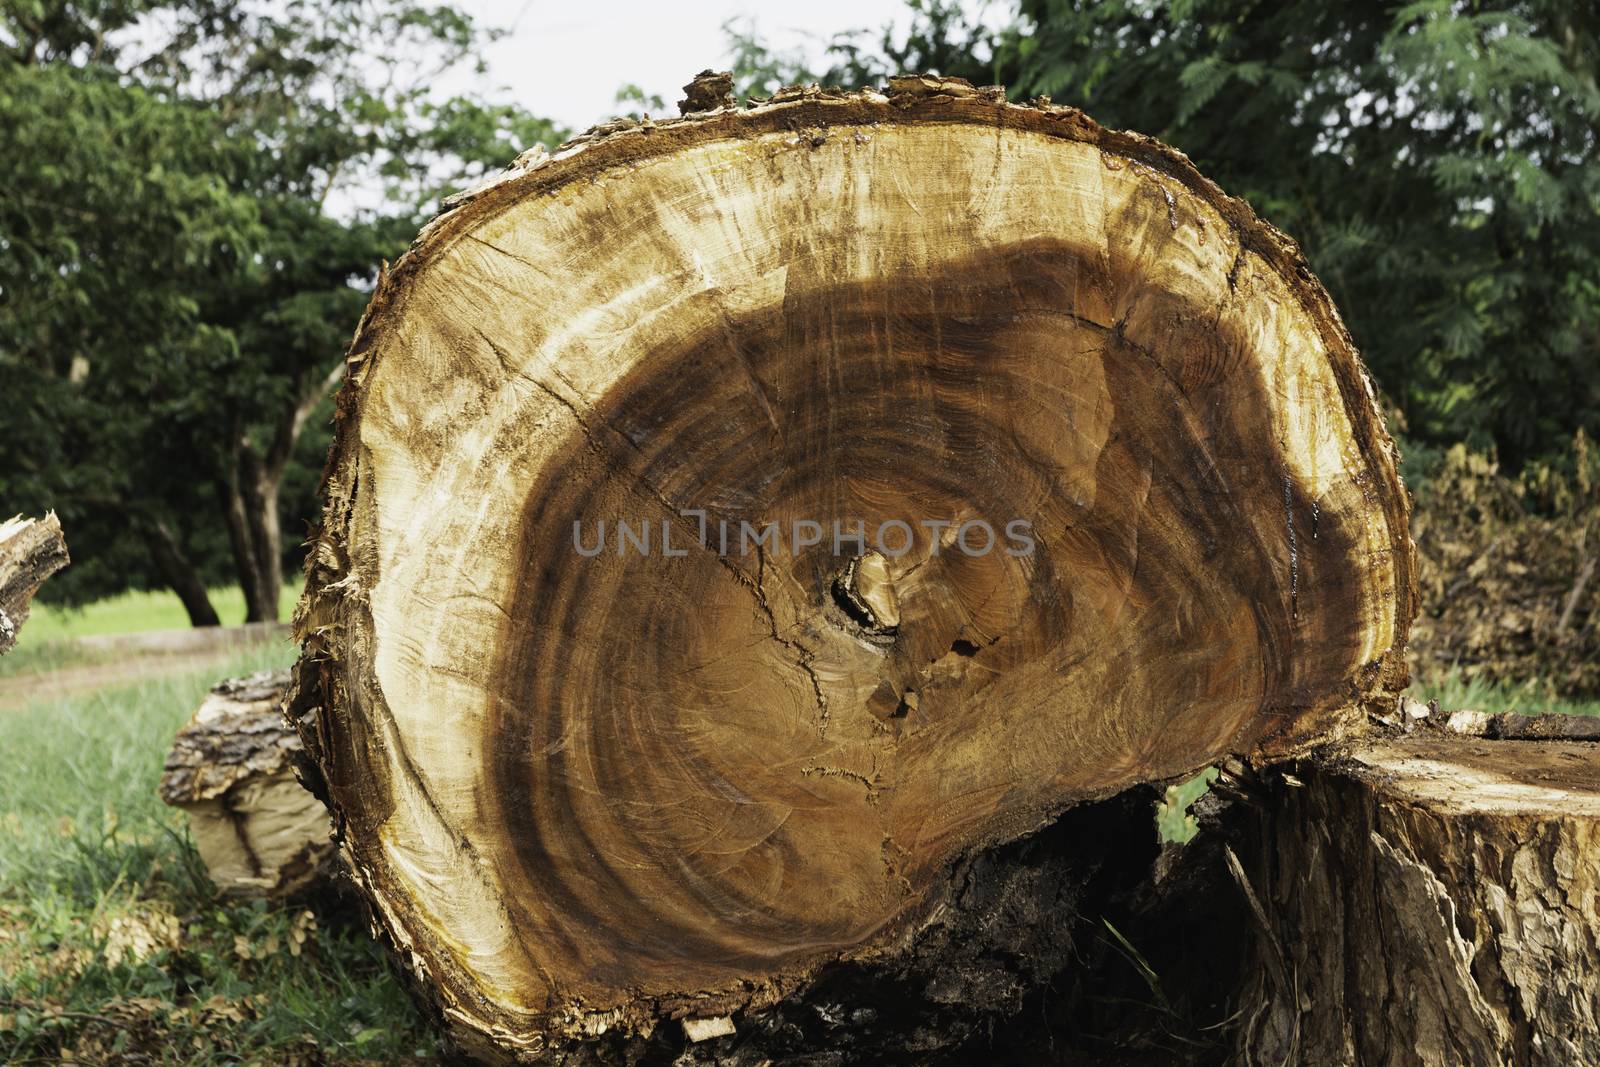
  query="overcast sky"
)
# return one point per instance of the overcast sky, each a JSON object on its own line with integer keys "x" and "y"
{"x": 566, "y": 60}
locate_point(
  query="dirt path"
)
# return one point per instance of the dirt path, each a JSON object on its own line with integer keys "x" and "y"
{"x": 96, "y": 662}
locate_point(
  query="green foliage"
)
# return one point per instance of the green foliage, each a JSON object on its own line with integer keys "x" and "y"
{"x": 200, "y": 195}
{"x": 87, "y": 285}
{"x": 114, "y": 946}
{"x": 643, "y": 103}
{"x": 1439, "y": 162}
{"x": 1173, "y": 819}
{"x": 1436, "y": 160}
{"x": 946, "y": 37}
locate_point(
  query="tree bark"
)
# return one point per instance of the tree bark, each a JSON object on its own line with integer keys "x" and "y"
{"x": 1430, "y": 901}
{"x": 232, "y": 769}
{"x": 259, "y": 494}
{"x": 179, "y": 573}
{"x": 258, "y": 607}
{"x": 250, "y": 500}
{"x": 31, "y": 550}
{"x": 598, "y": 797}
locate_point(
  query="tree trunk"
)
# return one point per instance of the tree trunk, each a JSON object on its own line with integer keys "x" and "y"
{"x": 1126, "y": 508}
{"x": 31, "y": 550}
{"x": 232, "y": 769}
{"x": 250, "y": 499}
{"x": 1430, "y": 901}
{"x": 259, "y": 490}
{"x": 179, "y": 573}
{"x": 259, "y": 606}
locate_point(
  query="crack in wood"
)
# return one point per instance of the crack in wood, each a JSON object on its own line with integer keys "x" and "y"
{"x": 805, "y": 657}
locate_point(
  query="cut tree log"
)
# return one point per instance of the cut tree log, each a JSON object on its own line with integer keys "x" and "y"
{"x": 587, "y": 793}
{"x": 31, "y": 550}
{"x": 259, "y": 832}
{"x": 1429, "y": 901}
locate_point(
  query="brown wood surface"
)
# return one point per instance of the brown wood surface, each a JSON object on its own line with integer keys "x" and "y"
{"x": 31, "y": 550}
{"x": 585, "y": 795}
{"x": 231, "y": 768}
{"x": 1430, "y": 901}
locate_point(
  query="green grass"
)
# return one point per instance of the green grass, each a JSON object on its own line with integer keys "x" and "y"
{"x": 91, "y": 862}
{"x": 48, "y": 641}
{"x": 1457, "y": 691}
{"x": 136, "y": 611}
{"x": 29, "y": 658}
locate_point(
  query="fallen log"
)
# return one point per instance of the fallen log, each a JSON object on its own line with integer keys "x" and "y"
{"x": 231, "y": 768}
{"x": 31, "y": 550}
{"x": 739, "y": 528}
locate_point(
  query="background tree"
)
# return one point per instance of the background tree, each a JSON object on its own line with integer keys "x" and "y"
{"x": 119, "y": 209}
{"x": 299, "y": 145}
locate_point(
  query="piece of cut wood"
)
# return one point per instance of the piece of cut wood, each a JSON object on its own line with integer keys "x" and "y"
{"x": 31, "y": 550}
{"x": 1430, "y": 901}
{"x": 231, "y": 768}
{"x": 586, "y": 793}
{"x": 1510, "y": 726}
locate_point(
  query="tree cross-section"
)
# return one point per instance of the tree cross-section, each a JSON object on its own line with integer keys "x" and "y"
{"x": 587, "y": 789}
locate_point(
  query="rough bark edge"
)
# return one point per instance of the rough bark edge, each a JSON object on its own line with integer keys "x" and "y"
{"x": 237, "y": 744}
{"x": 1434, "y": 882}
{"x": 1510, "y": 726}
{"x": 909, "y": 99}
{"x": 231, "y": 738}
{"x": 31, "y": 550}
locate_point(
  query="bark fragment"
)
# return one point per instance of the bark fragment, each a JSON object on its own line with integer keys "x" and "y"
{"x": 231, "y": 768}
{"x": 707, "y": 91}
{"x": 31, "y": 550}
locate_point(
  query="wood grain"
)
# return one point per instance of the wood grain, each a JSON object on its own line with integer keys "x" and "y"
{"x": 594, "y": 793}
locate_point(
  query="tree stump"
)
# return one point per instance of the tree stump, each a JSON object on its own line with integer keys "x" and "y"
{"x": 1125, "y": 504}
{"x": 259, "y": 832}
{"x": 1430, "y": 900}
{"x": 31, "y": 550}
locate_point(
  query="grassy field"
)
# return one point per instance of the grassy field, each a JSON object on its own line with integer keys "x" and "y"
{"x": 113, "y": 944}
{"x": 136, "y": 611}
{"x": 49, "y": 638}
